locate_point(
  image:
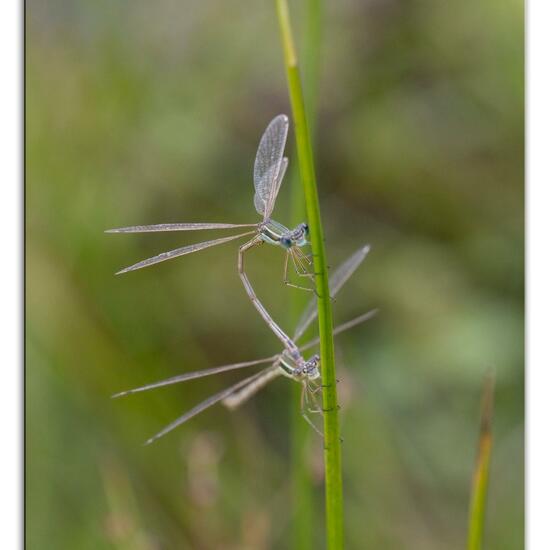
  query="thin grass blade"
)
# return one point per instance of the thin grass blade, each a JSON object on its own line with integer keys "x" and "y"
{"x": 480, "y": 480}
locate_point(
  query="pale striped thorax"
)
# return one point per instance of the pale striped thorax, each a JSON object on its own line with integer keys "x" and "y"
{"x": 276, "y": 233}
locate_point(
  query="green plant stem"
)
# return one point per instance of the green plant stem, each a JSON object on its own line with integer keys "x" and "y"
{"x": 480, "y": 479}
{"x": 300, "y": 432}
{"x": 302, "y": 532}
{"x": 300, "y": 438}
{"x": 333, "y": 468}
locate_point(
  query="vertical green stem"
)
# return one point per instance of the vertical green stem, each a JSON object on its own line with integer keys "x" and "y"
{"x": 333, "y": 467}
{"x": 302, "y": 531}
{"x": 481, "y": 473}
{"x": 302, "y": 535}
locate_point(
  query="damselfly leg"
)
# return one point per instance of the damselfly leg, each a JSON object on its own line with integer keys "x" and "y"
{"x": 304, "y": 408}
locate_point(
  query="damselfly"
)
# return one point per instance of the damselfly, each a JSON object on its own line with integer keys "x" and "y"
{"x": 269, "y": 169}
{"x": 285, "y": 363}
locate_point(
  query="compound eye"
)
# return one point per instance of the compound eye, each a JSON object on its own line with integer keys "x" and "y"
{"x": 286, "y": 242}
{"x": 306, "y": 228}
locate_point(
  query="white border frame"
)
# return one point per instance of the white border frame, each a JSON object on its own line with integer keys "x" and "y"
{"x": 11, "y": 213}
{"x": 538, "y": 271}
{"x": 538, "y": 275}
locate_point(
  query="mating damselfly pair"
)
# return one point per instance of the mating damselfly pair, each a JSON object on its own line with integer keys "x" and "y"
{"x": 269, "y": 169}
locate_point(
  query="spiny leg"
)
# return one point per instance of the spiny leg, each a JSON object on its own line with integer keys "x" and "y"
{"x": 309, "y": 258}
{"x": 305, "y": 257}
{"x": 318, "y": 409}
{"x": 303, "y": 411}
{"x": 301, "y": 271}
{"x": 286, "y": 280}
{"x": 298, "y": 264}
{"x": 287, "y": 342}
{"x": 301, "y": 257}
{"x": 307, "y": 262}
{"x": 313, "y": 394}
{"x": 302, "y": 264}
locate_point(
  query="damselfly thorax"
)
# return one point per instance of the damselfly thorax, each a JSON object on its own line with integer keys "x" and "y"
{"x": 276, "y": 233}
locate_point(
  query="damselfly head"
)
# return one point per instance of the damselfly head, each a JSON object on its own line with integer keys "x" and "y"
{"x": 300, "y": 234}
{"x": 314, "y": 362}
{"x": 297, "y": 237}
{"x": 310, "y": 368}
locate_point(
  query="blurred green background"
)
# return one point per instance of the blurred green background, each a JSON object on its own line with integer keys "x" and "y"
{"x": 142, "y": 112}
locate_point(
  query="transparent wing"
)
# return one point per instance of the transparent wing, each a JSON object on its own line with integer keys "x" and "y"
{"x": 275, "y": 189}
{"x": 346, "y": 270}
{"x": 181, "y": 252}
{"x": 205, "y": 404}
{"x": 237, "y": 398}
{"x": 267, "y": 165}
{"x": 343, "y": 327}
{"x": 336, "y": 282}
{"x": 266, "y": 208}
{"x": 177, "y": 227}
{"x": 197, "y": 374}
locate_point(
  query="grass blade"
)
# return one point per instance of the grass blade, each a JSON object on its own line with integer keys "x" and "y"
{"x": 303, "y": 512}
{"x": 481, "y": 472}
{"x": 333, "y": 468}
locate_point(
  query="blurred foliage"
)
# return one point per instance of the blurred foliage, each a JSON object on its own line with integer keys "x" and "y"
{"x": 141, "y": 112}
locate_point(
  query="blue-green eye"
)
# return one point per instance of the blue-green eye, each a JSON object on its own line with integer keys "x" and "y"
{"x": 306, "y": 229}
